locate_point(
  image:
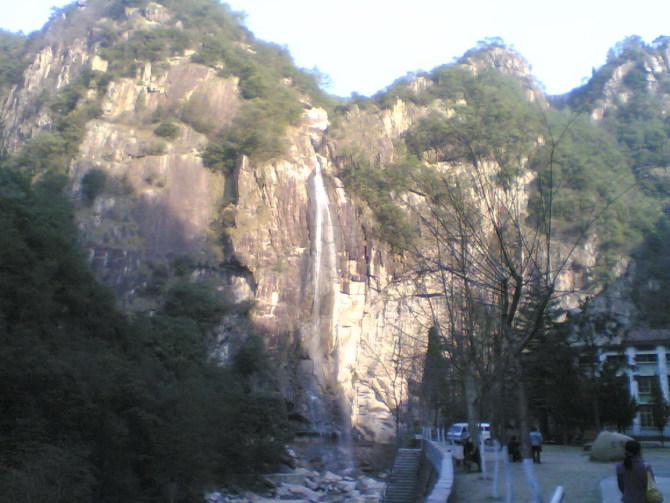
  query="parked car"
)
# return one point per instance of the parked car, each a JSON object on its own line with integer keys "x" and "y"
{"x": 458, "y": 432}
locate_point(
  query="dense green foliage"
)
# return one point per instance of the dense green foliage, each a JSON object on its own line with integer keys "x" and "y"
{"x": 257, "y": 131}
{"x": 558, "y": 388}
{"x": 378, "y": 186}
{"x": 639, "y": 123}
{"x": 615, "y": 404}
{"x": 50, "y": 151}
{"x": 637, "y": 118}
{"x": 145, "y": 45}
{"x": 93, "y": 183}
{"x": 167, "y": 129}
{"x": 12, "y": 60}
{"x": 100, "y": 407}
{"x": 574, "y": 391}
{"x": 651, "y": 287}
{"x": 593, "y": 188}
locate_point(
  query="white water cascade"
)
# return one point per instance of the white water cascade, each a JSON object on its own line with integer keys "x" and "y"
{"x": 324, "y": 268}
{"x": 328, "y": 410}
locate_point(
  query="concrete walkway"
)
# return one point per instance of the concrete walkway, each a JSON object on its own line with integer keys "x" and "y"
{"x": 583, "y": 481}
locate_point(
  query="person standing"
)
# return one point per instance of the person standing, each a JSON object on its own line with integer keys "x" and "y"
{"x": 471, "y": 455}
{"x": 514, "y": 450}
{"x": 536, "y": 444}
{"x": 631, "y": 474}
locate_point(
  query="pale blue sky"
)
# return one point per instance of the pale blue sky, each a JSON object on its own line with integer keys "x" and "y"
{"x": 364, "y": 45}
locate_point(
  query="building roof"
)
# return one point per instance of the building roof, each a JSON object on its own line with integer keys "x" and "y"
{"x": 640, "y": 336}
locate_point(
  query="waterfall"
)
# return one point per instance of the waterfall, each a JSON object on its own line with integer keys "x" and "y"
{"x": 323, "y": 275}
{"x": 328, "y": 409}
{"x": 324, "y": 269}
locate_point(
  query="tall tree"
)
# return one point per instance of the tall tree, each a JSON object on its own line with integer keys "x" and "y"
{"x": 616, "y": 404}
{"x": 435, "y": 393}
{"x": 558, "y": 387}
{"x": 660, "y": 408}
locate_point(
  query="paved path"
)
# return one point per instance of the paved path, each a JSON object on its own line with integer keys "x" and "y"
{"x": 583, "y": 481}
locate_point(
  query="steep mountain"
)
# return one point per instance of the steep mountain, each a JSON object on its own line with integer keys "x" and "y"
{"x": 196, "y": 153}
{"x": 630, "y": 97}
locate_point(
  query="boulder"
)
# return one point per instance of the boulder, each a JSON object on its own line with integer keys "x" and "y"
{"x": 293, "y": 491}
{"x": 332, "y": 477}
{"x": 348, "y": 486}
{"x": 609, "y": 446}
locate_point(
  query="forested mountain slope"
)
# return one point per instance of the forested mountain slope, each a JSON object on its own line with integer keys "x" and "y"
{"x": 226, "y": 203}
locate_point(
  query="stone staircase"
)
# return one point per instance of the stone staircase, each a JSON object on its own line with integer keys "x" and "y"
{"x": 401, "y": 487}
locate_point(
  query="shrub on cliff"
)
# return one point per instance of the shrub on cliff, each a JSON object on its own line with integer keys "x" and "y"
{"x": 167, "y": 129}
{"x": 12, "y": 58}
{"x": 257, "y": 131}
{"x": 93, "y": 183}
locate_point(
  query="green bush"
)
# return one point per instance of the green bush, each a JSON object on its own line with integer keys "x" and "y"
{"x": 257, "y": 131}
{"x": 196, "y": 301}
{"x": 152, "y": 148}
{"x": 12, "y": 58}
{"x": 93, "y": 184}
{"x": 167, "y": 129}
{"x": 145, "y": 45}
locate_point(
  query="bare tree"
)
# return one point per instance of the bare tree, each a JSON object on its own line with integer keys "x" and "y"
{"x": 479, "y": 188}
{"x": 486, "y": 251}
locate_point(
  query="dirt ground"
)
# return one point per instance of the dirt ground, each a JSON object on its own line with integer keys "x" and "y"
{"x": 564, "y": 466}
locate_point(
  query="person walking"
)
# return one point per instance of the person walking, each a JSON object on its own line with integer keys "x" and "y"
{"x": 631, "y": 474}
{"x": 536, "y": 444}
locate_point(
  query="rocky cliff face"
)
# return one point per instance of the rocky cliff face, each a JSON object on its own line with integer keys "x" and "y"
{"x": 313, "y": 287}
{"x": 631, "y": 68}
{"x": 287, "y": 248}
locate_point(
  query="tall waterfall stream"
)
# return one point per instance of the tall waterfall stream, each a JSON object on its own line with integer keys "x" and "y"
{"x": 328, "y": 410}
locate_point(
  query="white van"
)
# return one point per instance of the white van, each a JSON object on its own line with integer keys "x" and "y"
{"x": 458, "y": 432}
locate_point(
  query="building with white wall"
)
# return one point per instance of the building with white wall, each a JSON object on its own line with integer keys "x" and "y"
{"x": 647, "y": 353}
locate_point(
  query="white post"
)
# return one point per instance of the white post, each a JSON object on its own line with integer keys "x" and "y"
{"x": 508, "y": 476}
{"x": 557, "y": 497}
{"x": 533, "y": 484}
{"x": 482, "y": 455}
{"x": 496, "y": 465}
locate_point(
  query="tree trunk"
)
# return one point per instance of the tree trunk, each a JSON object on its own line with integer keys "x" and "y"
{"x": 471, "y": 399}
{"x": 526, "y": 451}
{"x": 596, "y": 405}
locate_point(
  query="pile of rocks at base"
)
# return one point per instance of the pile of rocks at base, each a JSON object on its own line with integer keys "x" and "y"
{"x": 306, "y": 485}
